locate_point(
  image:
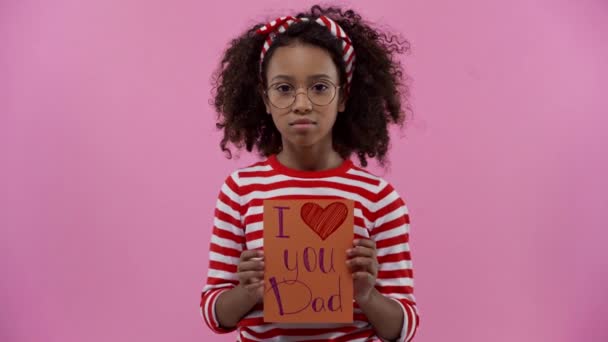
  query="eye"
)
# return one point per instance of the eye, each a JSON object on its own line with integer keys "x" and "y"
{"x": 283, "y": 88}
{"x": 320, "y": 87}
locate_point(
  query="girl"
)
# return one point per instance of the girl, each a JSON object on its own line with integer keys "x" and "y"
{"x": 309, "y": 91}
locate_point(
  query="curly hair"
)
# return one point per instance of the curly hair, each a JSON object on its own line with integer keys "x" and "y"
{"x": 377, "y": 95}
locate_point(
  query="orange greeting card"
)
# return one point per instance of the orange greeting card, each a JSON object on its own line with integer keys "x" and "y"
{"x": 305, "y": 243}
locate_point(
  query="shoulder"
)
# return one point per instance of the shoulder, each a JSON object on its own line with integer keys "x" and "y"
{"x": 256, "y": 169}
{"x": 379, "y": 184}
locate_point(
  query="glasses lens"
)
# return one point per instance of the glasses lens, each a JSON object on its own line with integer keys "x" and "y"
{"x": 283, "y": 95}
{"x": 322, "y": 93}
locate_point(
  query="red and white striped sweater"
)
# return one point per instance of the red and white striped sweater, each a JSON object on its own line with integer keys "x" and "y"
{"x": 380, "y": 214}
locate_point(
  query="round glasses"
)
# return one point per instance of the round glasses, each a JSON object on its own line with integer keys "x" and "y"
{"x": 282, "y": 95}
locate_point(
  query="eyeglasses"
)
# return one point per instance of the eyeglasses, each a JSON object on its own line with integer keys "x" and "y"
{"x": 282, "y": 95}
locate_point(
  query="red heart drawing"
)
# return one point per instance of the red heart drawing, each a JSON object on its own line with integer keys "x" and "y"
{"x": 324, "y": 221}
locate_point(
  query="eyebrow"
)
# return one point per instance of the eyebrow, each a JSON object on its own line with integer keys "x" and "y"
{"x": 311, "y": 77}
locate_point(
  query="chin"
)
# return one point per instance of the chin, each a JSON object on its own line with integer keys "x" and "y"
{"x": 303, "y": 141}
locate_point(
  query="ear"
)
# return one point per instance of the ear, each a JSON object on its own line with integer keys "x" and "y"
{"x": 342, "y": 103}
{"x": 265, "y": 98}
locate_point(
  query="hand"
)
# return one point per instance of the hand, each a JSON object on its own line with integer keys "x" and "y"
{"x": 363, "y": 264}
{"x": 250, "y": 272}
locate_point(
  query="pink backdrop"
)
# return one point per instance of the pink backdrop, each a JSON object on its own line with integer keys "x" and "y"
{"x": 109, "y": 166}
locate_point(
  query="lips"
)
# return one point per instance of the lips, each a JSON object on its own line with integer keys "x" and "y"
{"x": 302, "y": 122}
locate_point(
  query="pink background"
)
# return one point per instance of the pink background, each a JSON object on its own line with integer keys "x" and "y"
{"x": 110, "y": 166}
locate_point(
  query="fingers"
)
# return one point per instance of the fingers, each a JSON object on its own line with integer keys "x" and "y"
{"x": 252, "y": 265}
{"x": 369, "y": 243}
{"x": 252, "y": 253}
{"x": 362, "y": 257}
{"x": 251, "y": 277}
{"x": 254, "y": 286}
{"x": 361, "y": 251}
{"x": 363, "y": 264}
{"x": 251, "y": 260}
{"x": 363, "y": 276}
{"x": 360, "y": 262}
{"x": 251, "y": 269}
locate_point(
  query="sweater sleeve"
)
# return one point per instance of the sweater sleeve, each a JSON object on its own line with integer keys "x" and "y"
{"x": 391, "y": 231}
{"x": 227, "y": 243}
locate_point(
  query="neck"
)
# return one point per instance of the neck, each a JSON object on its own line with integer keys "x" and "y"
{"x": 309, "y": 158}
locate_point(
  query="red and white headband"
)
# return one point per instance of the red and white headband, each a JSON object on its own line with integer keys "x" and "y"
{"x": 281, "y": 24}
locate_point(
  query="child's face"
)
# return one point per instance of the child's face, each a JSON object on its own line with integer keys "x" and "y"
{"x": 308, "y": 73}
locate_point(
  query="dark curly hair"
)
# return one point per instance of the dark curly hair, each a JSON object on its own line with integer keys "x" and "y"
{"x": 377, "y": 96}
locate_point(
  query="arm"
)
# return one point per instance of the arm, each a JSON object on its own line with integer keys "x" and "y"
{"x": 384, "y": 314}
{"x": 232, "y": 305}
{"x": 221, "y": 295}
{"x": 395, "y": 282}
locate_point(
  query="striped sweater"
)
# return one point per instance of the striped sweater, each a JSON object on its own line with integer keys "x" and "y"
{"x": 380, "y": 214}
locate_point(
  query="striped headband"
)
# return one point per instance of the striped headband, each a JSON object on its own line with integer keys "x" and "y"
{"x": 281, "y": 24}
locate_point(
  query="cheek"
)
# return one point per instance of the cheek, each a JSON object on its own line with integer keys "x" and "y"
{"x": 279, "y": 118}
{"x": 329, "y": 117}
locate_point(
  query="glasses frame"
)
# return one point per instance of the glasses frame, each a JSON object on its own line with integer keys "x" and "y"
{"x": 337, "y": 88}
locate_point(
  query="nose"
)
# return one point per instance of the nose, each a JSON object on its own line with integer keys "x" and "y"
{"x": 302, "y": 104}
